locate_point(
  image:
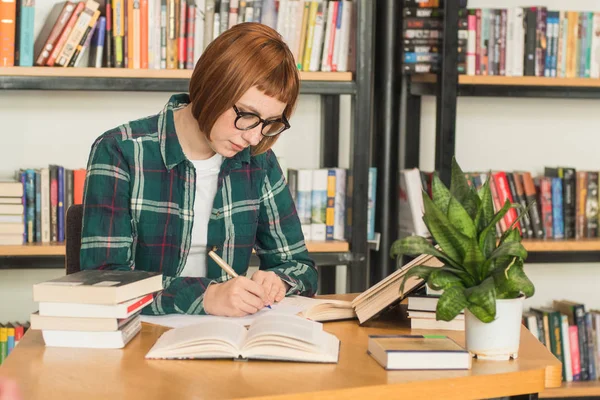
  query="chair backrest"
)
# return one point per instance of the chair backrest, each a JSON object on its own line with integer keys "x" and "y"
{"x": 73, "y": 238}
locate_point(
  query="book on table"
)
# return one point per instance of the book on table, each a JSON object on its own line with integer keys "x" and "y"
{"x": 386, "y": 293}
{"x": 93, "y": 308}
{"x": 418, "y": 352}
{"x": 272, "y": 336}
{"x": 98, "y": 287}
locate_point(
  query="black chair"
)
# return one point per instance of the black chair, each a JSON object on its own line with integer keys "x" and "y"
{"x": 73, "y": 238}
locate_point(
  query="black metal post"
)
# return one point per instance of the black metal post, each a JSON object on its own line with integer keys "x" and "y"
{"x": 447, "y": 91}
{"x": 362, "y": 109}
{"x": 410, "y": 138}
{"x": 386, "y": 134}
{"x": 330, "y": 139}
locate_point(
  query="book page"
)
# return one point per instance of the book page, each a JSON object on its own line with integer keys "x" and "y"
{"x": 284, "y": 337}
{"x": 206, "y": 339}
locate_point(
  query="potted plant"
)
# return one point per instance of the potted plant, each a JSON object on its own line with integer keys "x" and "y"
{"x": 482, "y": 275}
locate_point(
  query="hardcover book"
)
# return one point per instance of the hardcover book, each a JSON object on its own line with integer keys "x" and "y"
{"x": 270, "y": 337}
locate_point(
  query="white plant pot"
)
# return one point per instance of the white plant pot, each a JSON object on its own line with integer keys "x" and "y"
{"x": 499, "y": 339}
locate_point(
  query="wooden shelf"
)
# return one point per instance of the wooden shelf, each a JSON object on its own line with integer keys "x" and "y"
{"x": 125, "y": 79}
{"x": 570, "y": 245}
{"x": 573, "y": 389}
{"x": 144, "y": 73}
{"x": 58, "y": 249}
{"x": 512, "y": 86}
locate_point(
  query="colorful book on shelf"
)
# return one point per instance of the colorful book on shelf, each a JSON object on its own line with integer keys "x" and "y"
{"x": 273, "y": 336}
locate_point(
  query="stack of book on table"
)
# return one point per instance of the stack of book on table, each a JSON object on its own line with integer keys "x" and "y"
{"x": 421, "y": 312}
{"x": 93, "y": 308}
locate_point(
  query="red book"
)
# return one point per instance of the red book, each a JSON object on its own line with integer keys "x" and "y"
{"x": 78, "y": 184}
{"x": 574, "y": 345}
{"x": 503, "y": 190}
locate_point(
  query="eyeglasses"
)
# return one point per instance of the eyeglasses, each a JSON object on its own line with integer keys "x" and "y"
{"x": 247, "y": 120}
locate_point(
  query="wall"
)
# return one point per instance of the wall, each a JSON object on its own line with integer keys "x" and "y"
{"x": 528, "y": 134}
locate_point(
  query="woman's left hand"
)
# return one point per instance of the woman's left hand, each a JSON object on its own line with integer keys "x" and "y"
{"x": 274, "y": 287}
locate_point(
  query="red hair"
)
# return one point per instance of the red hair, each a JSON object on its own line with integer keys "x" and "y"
{"x": 246, "y": 55}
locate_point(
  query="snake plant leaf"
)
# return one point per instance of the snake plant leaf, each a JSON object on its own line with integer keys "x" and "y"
{"x": 462, "y": 191}
{"x": 474, "y": 261}
{"x": 512, "y": 235}
{"x": 421, "y": 271}
{"x": 511, "y": 281}
{"x": 482, "y": 300}
{"x": 487, "y": 206}
{"x": 483, "y": 236}
{"x": 501, "y": 253}
{"x": 451, "y": 241}
{"x": 446, "y": 277}
{"x": 459, "y": 217}
{"x": 417, "y": 245}
{"x": 451, "y": 303}
{"x": 440, "y": 194}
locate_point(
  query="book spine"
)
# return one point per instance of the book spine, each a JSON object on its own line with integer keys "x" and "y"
{"x": 181, "y": 34}
{"x": 319, "y": 204}
{"x": 580, "y": 201}
{"x": 567, "y": 362}
{"x": 546, "y": 206}
{"x": 190, "y": 40}
{"x": 60, "y": 209}
{"x": 64, "y": 35}
{"x": 575, "y": 356}
{"x": 530, "y": 41}
{"x": 30, "y": 204}
{"x": 591, "y": 351}
{"x": 45, "y": 227}
{"x": 61, "y": 22}
{"x": 372, "y": 194}
{"x": 541, "y": 41}
{"x": 558, "y": 223}
{"x": 25, "y": 34}
{"x": 555, "y": 324}
{"x": 330, "y": 210}
{"x": 3, "y": 343}
{"x": 527, "y": 224}
{"x": 340, "y": 204}
{"x": 579, "y": 320}
{"x": 591, "y": 201}
{"x": 569, "y": 205}
{"x": 304, "y": 201}
{"x": 8, "y": 19}
{"x": 38, "y": 206}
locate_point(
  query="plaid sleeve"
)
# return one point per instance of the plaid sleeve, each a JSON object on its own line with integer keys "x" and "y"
{"x": 107, "y": 237}
{"x": 279, "y": 239}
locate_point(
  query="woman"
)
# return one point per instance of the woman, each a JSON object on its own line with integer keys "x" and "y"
{"x": 161, "y": 191}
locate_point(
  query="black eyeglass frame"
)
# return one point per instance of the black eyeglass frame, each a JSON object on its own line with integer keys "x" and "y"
{"x": 265, "y": 123}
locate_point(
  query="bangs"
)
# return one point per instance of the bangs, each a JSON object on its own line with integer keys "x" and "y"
{"x": 281, "y": 83}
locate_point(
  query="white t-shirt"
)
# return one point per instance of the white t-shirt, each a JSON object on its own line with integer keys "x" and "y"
{"x": 207, "y": 173}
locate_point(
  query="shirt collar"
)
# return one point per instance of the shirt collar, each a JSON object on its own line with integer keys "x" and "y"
{"x": 170, "y": 149}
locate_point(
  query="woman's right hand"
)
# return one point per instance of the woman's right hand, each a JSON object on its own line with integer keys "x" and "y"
{"x": 237, "y": 297}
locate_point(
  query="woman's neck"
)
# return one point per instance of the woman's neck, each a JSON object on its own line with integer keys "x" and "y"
{"x": 193, "y": 141}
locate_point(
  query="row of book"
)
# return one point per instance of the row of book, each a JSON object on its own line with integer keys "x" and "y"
{"x": 533, "y": 41}
{"x": 323, "y": 201}
{"x": 169, "y": 34}
{"x": 422, "y": 36}
{"x": 33, "y": 207}
{"x": 11, "y": 334}
{"x": 422, "y": 305}
{"x": 562, "y": 203}
{"x": 572, "y": 334}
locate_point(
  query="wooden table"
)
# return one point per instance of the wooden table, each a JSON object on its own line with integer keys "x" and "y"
{"x": 55, "y": 373}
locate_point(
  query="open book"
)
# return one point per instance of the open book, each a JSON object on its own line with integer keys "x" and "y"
{"x": 387, "y": 292}
{"x": 269, "y": 337}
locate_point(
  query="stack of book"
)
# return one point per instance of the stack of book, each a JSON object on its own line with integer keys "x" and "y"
{"x": 12, "y": 212}
{"x": 421, "y": 312}
{"x": 93, "y": 308}
{"x": 422, "y": 34}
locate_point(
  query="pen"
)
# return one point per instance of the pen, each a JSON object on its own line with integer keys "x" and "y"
{"x": 224, "y": 266}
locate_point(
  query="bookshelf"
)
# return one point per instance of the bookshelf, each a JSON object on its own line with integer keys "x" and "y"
{"x": 447, "y": 86}
{"x": 328, "y": 85}
{"x": 124, "y": 79}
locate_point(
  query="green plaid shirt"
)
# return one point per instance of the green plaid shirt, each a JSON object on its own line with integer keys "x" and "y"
{"x": 139, "y": 211}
